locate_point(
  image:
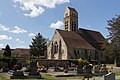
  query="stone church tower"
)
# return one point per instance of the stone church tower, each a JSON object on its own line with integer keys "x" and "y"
{"x": 70, "y": 20}
{"x": 72, "y": 43}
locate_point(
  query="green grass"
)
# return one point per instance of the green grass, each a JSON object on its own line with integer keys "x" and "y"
{"x": 3, "y": 77}
{"x": 74, "y": 77}
{"x": 46, "y": 77}
{"x": 112, "y": 65}
{"x": 117, "y": 74}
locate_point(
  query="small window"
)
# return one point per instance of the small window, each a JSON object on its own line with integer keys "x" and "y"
{"x": 55, "y": 47}
{"x": 66, "y": 14}
{"x": 76, "y": 56}
{"x": 78, "y": 52}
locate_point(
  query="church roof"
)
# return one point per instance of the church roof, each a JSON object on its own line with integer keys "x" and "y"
{"x": 74, "y": 40}
{"x": 94, "y": 38}
{"x": 72, "y": 9}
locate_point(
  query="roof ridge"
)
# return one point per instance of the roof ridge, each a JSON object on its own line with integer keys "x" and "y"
{"x": 89, "y": 30}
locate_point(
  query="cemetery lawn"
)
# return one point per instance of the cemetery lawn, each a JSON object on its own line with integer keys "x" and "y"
{"x": 117, "y": 74}
{"x": 46, "y": 77}
{"x": 113, "y": 65}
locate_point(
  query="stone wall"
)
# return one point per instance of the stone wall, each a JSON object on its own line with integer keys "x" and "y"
{"x": 52, "y": 63}
{"x": 61, "y": 52}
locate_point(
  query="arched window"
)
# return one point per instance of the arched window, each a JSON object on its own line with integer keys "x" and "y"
{"x": 56, "y": 47}
{"x": 76, "y": 56}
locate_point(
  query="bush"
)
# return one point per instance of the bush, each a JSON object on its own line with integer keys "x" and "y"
{"x": 82, "y": 62}
{"x": 17, "y": 67}
{"x": 65, "y": 71}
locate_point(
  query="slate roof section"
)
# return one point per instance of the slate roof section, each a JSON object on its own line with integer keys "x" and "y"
{"x": 74, "y": 40}
{"x": 94, "y": 38}
{"x": 72, "y": 9}
{"x": 22, "y": 52}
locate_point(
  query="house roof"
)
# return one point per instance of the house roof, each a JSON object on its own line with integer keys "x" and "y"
{"x": 21, "y": 51}
{"x": 94, "y": 38}
{"x": 74, "y": 40}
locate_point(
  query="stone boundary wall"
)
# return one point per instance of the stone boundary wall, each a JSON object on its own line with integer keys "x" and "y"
{"x": 52, "y": 63}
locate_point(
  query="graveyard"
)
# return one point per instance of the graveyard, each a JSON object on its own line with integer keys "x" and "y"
{"x": 83, "y": 70}
{"x": 48, "y": 45}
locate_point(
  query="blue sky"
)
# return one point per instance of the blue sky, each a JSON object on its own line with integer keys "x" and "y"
{"x": 21, "y": 20}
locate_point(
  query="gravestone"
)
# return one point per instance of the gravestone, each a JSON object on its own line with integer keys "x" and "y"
{"x": 79, "y": 69}
{"x": 88, "y": 71}
{"x": 33, "y": 70}
{"x": 66, "y": 68}
{"x": 57, "y": 69}
{"x": 17, "y": 75}
{"x": 104, "y": 69}
{"x": 109, "y": 76}
{"x": 96, "y": 69}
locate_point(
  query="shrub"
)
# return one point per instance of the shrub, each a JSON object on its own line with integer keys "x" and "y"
{"x": 66, "y": 71}
{"x": 82, "y": 62}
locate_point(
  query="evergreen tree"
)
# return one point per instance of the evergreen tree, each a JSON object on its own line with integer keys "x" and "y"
{"x": 7, "y": 51}
{"x": 38, "y": 46}
{"x": 114, "y": 37}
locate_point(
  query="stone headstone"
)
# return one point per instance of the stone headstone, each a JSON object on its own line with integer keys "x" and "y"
{"x": 109, "y": 76}
{"x": 33, "y": 66}
{"x": 57, "y": 69}
{"x": 104, "y": 70}
{"x": 33, "y": 70}
{"x": 96, "y": 69}
{"x": 17, "y": 75}
{"x": 79, "y": 69}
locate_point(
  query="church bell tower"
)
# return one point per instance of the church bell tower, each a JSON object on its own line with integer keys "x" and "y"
{"x": 70, "y": 20}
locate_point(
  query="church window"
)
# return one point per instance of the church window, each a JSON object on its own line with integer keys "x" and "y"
{"x": 86, "y": 54}
{"x": 72, "y": 14}
{"x": 74, "y": 26}
{"x": 96, "y": 55}
{"x": 66, "y": 14}
{"x": 55, "y": 47}
{"x": 78, "y": 52}
{"x": 75, "y": 54}
{"x": 66, "y": 25}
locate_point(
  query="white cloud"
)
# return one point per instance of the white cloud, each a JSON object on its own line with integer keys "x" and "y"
{"x": 15, "y": 30}
{"x": 57, "y": 25}
{"x": 20, "y": 41}
{"x": 36, "y": 6}
{"x": 35, "y": 12}
{"x": 18, "y": 30}
{"x": 51, "y": 3}
{"x": 15, "y": 6}
{"x": 5, "y": 37}
{"x": 3, "y": 28}
{"x": 31, "y": 34}
{"x": 1, "y": 45}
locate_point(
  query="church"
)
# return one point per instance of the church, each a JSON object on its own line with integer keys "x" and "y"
{"x": 74, "y": 42}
